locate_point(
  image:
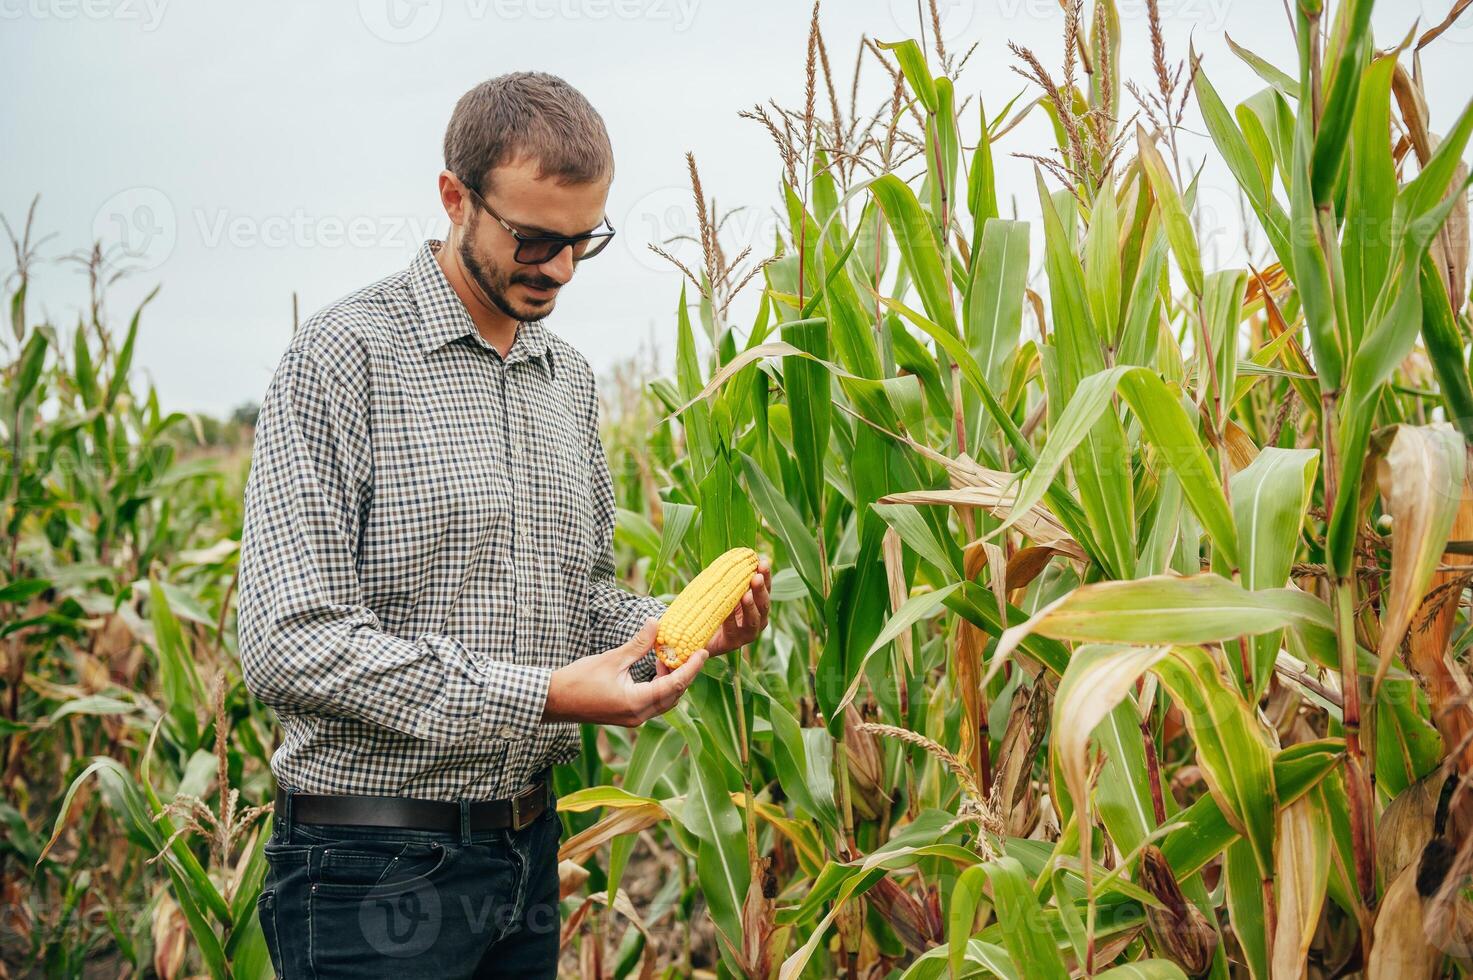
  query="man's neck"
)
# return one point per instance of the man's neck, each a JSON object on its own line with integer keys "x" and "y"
{"x": 494, "y": 326}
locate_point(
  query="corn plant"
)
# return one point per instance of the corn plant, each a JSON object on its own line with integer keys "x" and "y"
{"x": 1119, "y": 620}
{"x": 127, "y": 735}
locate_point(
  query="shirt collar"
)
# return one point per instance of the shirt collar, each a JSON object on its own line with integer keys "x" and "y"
{"x": 443, "y": 317}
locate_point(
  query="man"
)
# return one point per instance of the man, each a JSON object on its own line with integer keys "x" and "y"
{"x": 427, "y": 593}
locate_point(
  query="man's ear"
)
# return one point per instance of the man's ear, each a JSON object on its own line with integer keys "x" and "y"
{"x": 454, "y": 199}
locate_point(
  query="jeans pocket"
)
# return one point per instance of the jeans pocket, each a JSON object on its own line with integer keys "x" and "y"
{"x": 266, "y": 913}
{"x": 355, "y": 867}
{"x": 376, "y": 900}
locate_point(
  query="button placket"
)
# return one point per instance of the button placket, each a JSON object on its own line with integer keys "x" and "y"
{"x": 525, "y": 557}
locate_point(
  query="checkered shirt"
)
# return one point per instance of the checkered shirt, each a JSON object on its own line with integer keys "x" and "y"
{"x": 428, "y": 535}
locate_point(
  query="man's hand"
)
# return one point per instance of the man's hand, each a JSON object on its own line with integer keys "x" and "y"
{"x": 750, "y": 616}
{"x": 599, "y": 689}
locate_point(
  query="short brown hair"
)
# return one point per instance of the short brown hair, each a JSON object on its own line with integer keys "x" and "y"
{"x": 527, "y": 114}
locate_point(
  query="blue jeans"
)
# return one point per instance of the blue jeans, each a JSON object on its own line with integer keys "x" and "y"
{"x": 363, "y": 902}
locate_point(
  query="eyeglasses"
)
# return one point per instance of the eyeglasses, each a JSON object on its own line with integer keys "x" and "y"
{"x": 537, "y": 249}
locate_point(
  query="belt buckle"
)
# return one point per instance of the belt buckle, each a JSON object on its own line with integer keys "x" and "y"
{"x": 516, "y": 809}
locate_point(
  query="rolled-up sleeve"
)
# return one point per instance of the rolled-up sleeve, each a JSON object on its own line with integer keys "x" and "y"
{"x": 614, "y": 612}
{"x": 308, "y": 643}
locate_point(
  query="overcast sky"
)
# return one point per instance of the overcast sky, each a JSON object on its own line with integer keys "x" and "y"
{"x": 249, "y": 150}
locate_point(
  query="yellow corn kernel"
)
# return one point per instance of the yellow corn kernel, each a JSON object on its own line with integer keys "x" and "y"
{"x": 703, "y": 604}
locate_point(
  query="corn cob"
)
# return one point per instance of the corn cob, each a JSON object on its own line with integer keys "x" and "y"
{"x": 703, "y": 604}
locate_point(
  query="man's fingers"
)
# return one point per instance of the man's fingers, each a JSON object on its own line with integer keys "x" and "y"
{"x": 665, "y": 692}
{"x": 639, "y": 644}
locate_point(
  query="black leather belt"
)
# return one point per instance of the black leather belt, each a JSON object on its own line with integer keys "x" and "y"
{"x": 404, "y": 813}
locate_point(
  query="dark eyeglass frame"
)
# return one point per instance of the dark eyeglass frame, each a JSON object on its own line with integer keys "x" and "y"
{"x": 551, "y": 244}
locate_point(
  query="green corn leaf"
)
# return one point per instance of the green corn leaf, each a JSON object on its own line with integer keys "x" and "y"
{"x": 806, "y": 384}
{"x": 1444, "y": 345}
{"x": 806, "y": 781}
{"x": 82, "y": 370}
{"x": 181, "y": 685}
{"x": 1338, "y": 111}
{"x": 912, "y": 611}
{"x": 1141, "y": 322}
{"x": 1311, "y": 267}
{"x": 961, "y": 914}
{"x": 28, "y": 371}
{"x": 1102, "y": 265}
{"x": 993, "y": 304}
{"x": 941, "y": 154}
{"x": 1178, "y": 226}
{"x": 1164, "y": 609}
{"x": 1263, "y": 69}
{"x": 978, "y": 606}
{"x": 690, "y": 380}
{"x": 1206, "y": 831}
{"x": 710, "y": 814}
{"x": 123, "y": 361}
{"x": 655, "y": 750}
{"x": 913, "y": 65}
{"x": 1102, "y": 475}
{"x": 635, "y": 530}
{"x": 677, "y": 521}
{"x": 1231, "y": 747}
{"x": 1020, "y": 918}
{"x": 1076, "y": 338}
{"x": 1222, "y": 311}
{"x": 1144, "y": 970}
{"x": 918, "y": 247}
{"x": 1166, "y": 427}
{"x": 1370, "y": 196}
{"x": 982, "y": 182}
{"x": 784, "y": 519}
{"x": 1270, "y": 498}
{"x": 1245, "y": 906}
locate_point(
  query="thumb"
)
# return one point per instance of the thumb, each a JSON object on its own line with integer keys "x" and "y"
{"x": 639, "y": 644}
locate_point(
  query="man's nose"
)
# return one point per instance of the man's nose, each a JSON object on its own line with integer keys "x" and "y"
{"x": 559, "y": 267}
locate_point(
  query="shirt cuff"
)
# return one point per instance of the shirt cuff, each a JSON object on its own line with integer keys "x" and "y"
{"x": 513, "y": 699}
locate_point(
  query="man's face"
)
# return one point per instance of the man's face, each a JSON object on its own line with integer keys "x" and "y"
{"x": 533, "y": 206}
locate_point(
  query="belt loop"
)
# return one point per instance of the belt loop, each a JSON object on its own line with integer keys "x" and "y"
{"x": 281, "y": 817}
{"x": 465, "y": 821}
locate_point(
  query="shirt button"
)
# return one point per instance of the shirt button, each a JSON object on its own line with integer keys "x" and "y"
{"x": 508, "y": 732}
